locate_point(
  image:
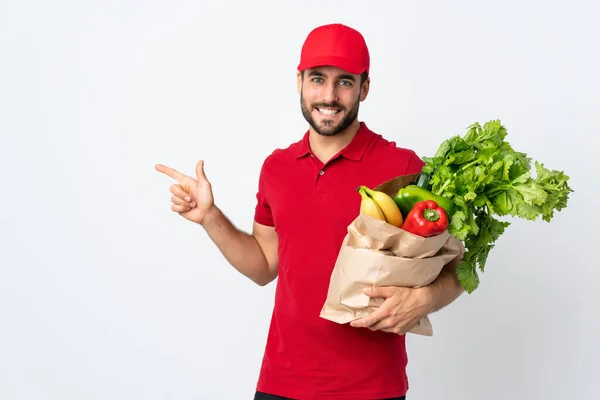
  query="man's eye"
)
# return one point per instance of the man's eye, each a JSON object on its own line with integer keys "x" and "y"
{"x": 317, "y": 80}
{"x": 345, "y": 83}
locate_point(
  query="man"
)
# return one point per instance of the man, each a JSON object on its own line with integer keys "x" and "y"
{"x": 306, "y": 199}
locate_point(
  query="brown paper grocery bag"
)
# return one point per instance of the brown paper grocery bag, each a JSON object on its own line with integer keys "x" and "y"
{"x": 377, "y": 253}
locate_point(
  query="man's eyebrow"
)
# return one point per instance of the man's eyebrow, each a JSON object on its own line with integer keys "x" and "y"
{"x": 346, "y": 76}
{"x": 341, "y": 76}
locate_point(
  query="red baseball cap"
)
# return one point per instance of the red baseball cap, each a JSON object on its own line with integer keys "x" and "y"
{"x": 335, "y": 45}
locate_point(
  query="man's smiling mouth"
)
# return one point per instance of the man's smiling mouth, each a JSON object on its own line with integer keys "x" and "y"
{"x": 328, "y": 111}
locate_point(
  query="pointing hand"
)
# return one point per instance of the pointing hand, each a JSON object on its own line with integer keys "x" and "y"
{"x": 192, "y": 198}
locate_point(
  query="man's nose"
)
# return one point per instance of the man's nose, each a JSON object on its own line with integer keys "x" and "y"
{"x": 329, "y": 93}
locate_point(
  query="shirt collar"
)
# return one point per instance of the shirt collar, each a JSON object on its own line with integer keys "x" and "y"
{"x": 353, "y": 151}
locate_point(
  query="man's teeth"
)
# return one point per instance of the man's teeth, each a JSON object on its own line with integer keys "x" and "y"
{"x": 328, "y": 111}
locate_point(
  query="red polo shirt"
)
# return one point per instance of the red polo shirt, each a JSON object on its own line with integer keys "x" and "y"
{"x": 311, "y": 204}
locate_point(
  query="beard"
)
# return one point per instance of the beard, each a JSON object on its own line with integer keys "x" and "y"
{"x": 327, "y": 126}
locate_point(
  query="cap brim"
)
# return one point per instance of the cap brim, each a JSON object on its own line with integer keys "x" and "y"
{"x": 348, "y": 65}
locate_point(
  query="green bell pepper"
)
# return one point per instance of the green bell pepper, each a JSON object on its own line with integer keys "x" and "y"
{"x": 408, "y": 196}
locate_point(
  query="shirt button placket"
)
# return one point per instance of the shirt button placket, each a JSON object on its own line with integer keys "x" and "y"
{"x": 318, "y": 182}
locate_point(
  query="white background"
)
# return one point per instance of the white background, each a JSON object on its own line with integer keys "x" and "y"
{"x": 107, "y": 294}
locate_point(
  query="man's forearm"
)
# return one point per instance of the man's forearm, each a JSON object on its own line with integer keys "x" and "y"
{"x": 446, "y": 288}
{"x": 239, "y": 248}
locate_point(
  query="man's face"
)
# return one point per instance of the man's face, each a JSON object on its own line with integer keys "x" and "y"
{"x": 330, "y": 98}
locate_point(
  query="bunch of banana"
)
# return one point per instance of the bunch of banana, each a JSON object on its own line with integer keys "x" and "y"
{"x": 379, "y": 205}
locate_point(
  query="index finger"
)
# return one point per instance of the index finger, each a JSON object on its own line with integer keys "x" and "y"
{"x": 368, "y": 320}
{"x": 178, "y": 176}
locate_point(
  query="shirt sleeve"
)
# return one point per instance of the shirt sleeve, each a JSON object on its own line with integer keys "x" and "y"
{"x": 262, "y": 210}
{"x": 415, "y": 165}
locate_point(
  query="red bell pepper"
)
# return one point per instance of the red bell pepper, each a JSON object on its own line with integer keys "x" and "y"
{"x": 426, "y": 219}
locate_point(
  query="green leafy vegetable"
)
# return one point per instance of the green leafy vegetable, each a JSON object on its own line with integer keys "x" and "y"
{"x": 486, "y": 178}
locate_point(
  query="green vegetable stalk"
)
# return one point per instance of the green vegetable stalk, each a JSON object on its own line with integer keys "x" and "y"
{"x": 486, "y": 178}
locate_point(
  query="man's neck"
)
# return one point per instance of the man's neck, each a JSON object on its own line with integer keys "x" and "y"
{"x": 325, "y": 147}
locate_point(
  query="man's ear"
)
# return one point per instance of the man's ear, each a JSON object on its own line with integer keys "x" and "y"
{"x": 299, "y": 81}
{"x": 364, "y": 89}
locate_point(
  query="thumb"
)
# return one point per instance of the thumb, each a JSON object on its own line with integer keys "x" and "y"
{"x": 200, "y": 171}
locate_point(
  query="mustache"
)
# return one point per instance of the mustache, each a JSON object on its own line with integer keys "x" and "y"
{"x": 328, "y": 105}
